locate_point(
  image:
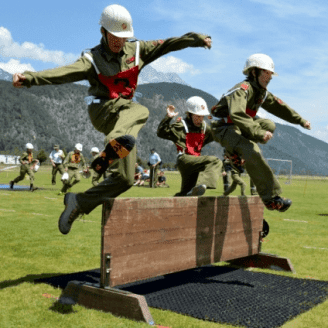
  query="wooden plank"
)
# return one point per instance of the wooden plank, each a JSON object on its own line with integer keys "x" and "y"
{"x": 147, "y": 237}
{"x": 162, "y": 258}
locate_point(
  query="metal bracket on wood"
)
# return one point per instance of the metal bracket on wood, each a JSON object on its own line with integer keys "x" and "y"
{"x": 107, "y": 270}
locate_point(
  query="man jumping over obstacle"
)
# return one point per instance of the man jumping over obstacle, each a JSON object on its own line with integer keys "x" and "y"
{"x": 189, "y": 135}
{"x": 112, "y": 69}
{"x": 238, "y": 129}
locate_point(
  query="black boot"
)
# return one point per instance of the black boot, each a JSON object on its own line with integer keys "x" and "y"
{"x": 115, "y": 149}
{"x": 32, "y": 188}
{"x": 278, "y": 203}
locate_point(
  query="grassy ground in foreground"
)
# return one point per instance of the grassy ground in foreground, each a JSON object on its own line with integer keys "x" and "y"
{"x": 32, "y": 247}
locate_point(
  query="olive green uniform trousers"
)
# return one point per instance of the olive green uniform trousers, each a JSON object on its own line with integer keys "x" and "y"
{"x": 226, "y": 180}
{"x": 55, "y": 169}
{"x": 230, "y": 137}
{"x": 73, "y": 173}
{"x": 25, "y": 169}
{"x": 125, "y": 117}
{"x": 198, "y": 170}
{"x": 95, "y": 177}
{"x": 236, "y": 181}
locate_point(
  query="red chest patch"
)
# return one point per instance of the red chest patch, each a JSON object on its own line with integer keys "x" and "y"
{"x": 244, "y": 86}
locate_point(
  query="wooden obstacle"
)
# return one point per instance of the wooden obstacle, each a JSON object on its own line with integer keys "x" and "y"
{"x": 149, "y": 237}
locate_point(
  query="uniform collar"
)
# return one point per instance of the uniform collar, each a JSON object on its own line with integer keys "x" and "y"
{"x": 192, "y": 126}
{"x": 256, "y": 86}
{"x": 110, "y": 54}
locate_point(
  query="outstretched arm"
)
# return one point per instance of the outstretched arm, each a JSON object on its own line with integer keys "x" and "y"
{"x": 152, "y": 50}
{"x": 280, "y": 109}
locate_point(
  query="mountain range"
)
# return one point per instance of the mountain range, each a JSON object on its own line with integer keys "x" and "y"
{"x": 5, "y": 76}
{"x": 58, "y": 114}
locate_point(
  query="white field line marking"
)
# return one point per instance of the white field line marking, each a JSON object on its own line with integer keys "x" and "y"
{"x": 296, "y": 220}
{"x": 315, "y": 247}
{"x": 40, "y": 214}
{"x": 50, "y": 198}
{"x": 5, "y": 194}
{"x": 82, "y": 220}
{"x": 3, "y": 209}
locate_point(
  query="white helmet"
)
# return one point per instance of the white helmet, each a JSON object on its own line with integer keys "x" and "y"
{"x": 260, "y": 61}
{"x": 117, "y": 20}
{"x": 197, "y": 105}
{"x": 78, "y": 146}
{"x": 94, "y": 150}
{"x": 29, "y": 146}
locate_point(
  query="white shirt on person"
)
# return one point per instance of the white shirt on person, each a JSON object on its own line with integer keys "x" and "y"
{"x": 56, "y": 156}
{"x": 154, "y": 158}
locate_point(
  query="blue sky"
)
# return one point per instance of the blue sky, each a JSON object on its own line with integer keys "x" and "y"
{"x": 37, "y": 35}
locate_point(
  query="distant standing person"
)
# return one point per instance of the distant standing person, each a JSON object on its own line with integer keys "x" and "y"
{"x": 28, "y": 166}
{"x": 154, "y": 162}
{"x": 72, "y": 164}
{"x": 56, "y": 158}
{"x": 190, "y": 135}
{"x": 238, "y": 129}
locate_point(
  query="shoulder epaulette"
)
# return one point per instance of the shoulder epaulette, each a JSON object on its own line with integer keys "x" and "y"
{"x": 244, "y": 86}
{"x": 278, "y": 100}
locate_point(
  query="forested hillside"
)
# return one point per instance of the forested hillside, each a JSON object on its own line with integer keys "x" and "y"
{"x": 44, "y": 116}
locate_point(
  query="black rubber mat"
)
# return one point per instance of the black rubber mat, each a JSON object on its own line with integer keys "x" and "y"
{"x": 223, "y": 294}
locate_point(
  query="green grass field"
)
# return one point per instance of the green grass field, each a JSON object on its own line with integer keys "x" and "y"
{"x": 32, "y": 247}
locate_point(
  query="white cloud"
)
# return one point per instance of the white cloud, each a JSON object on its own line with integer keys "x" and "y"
{"x": 15, "y": 66}
{"x": 10, "y": 48}
{"x": 170, "y": 64}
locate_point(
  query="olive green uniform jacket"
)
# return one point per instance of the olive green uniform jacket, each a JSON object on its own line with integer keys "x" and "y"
{"x": 25, "y": 168}
{"x": 73, "y": 162}
{"x": 244, "y": 132}
{"x": 113, "y": 117}
{"x": 194, "y": 170}
{"x": 249, "y": 95}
